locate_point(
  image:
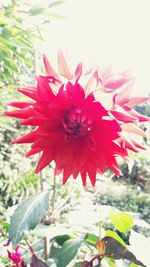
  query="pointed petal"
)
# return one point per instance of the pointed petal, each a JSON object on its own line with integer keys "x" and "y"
{"x": 33, "y": 151}
{"x": 66, "y": 173}
{"x": 57, "y": 171}
{"x": 123, "y": 97}
{"x": 128, "y": 142}
{"x": 30, "y": 92}
{"x": 78, "y": 71}
{"x": 83, "y": 175}
{"x": 63, "y": 66}
{"x": 45, "y": 160}
{"x": 28, "y": 138}
{"x": 91, "y": 169}
{"x": 140, "y": 117}
{"x": 113, "y": 165}
{"x": 20, "y": 104}
{"x": 21, "y": 114}
{"x": 137, "y": 101}
{"x": 49, "y": 70}
{"x": 133, "y": 129}
{"x": 44, "y": 90}
{"x": 122, "y": 115}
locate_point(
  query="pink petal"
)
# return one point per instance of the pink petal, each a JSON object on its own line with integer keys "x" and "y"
{"x": 63, "y": 67}
{"x": 49, "y": 70}
{"x": 78, "y": 71}
{"x": 133, "y": 129}
{"x": 136, "y": 101}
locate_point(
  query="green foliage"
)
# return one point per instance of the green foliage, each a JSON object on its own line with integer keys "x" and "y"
{"x": 68, "y": 252}
{"x": 27, "y": 215}
{"x": 91, "y": 239}
{"x": 115, "y": 236}
{"x": 122, "y": 221}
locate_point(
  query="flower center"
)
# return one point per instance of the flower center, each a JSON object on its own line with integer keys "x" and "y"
{"x": 77, "y": 123}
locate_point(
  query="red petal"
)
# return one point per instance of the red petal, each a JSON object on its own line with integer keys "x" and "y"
{"x": 20, "y": 104}
{"x": 21, "y": 114}
{"x": 30, "y": 92}
{"x": 45, "y": 160}
{"x": 33, "y": 151}
{"x": 83, "y": 175}
{"x": 113, "y": 165}
{"x": 29, "y": 138}
{"x": 44, "y": 90}
{"x": 92, "y": 173}
{"x": 67, "y": 171}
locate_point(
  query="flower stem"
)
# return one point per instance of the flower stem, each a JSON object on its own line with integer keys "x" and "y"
{"x": 54, "y": 194}
{"x": 46, "y": 244}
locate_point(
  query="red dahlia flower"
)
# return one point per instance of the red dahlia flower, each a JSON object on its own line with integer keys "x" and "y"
{"x": 16, "y": 258}
{"x": 73, "y": 126}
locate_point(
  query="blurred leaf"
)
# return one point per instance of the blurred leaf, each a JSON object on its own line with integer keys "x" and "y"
{"x": 6, "y": 225}
{"x": 37, "y": 9}
{"x": 110, "y": 262}
{"x": 115, "y": 236}
{"x": 27, "y": 215}
{"x": 122, "y": 221}
{"x": 56, "y": 3}
{"x": 56, "y": 16}
{"x": 36, "y": 262}
{"x": 68, "y": 252}
{"x": 6, "y": 125}
{"x": 91, "y": 239}
{"x": 61, "y": 239}
{"x": 110, "y": 247}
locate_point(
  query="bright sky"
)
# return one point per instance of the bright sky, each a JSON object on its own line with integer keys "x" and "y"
{"x": 101, "y": 32}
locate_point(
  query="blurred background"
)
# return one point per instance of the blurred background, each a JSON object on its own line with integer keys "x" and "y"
{"x": 99, "y": 33}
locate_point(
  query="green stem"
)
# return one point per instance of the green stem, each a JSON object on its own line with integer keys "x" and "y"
{"x": 54, "y": 194}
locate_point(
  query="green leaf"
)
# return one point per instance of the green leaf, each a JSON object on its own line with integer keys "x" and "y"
{"x": 36, "y": 10}
{"x": 91, "y": 239}
{"x": 110, "y": 262}
{"x": 115, "y": 236}
{"x": 68, "y": 252}
{"x": 122, "y": 221}
{"x": 27, "y": 215}
{"x": 56, "y": 3}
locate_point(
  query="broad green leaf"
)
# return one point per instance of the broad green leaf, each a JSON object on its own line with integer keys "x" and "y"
{"x": 27, "y": 215}
{"x": 115, "y": 236}
{"x": 133, "y": 265}
{"x": 68, "y": 252}
{"x": 122, "y": 221}
{"x": 91, "y": 239}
